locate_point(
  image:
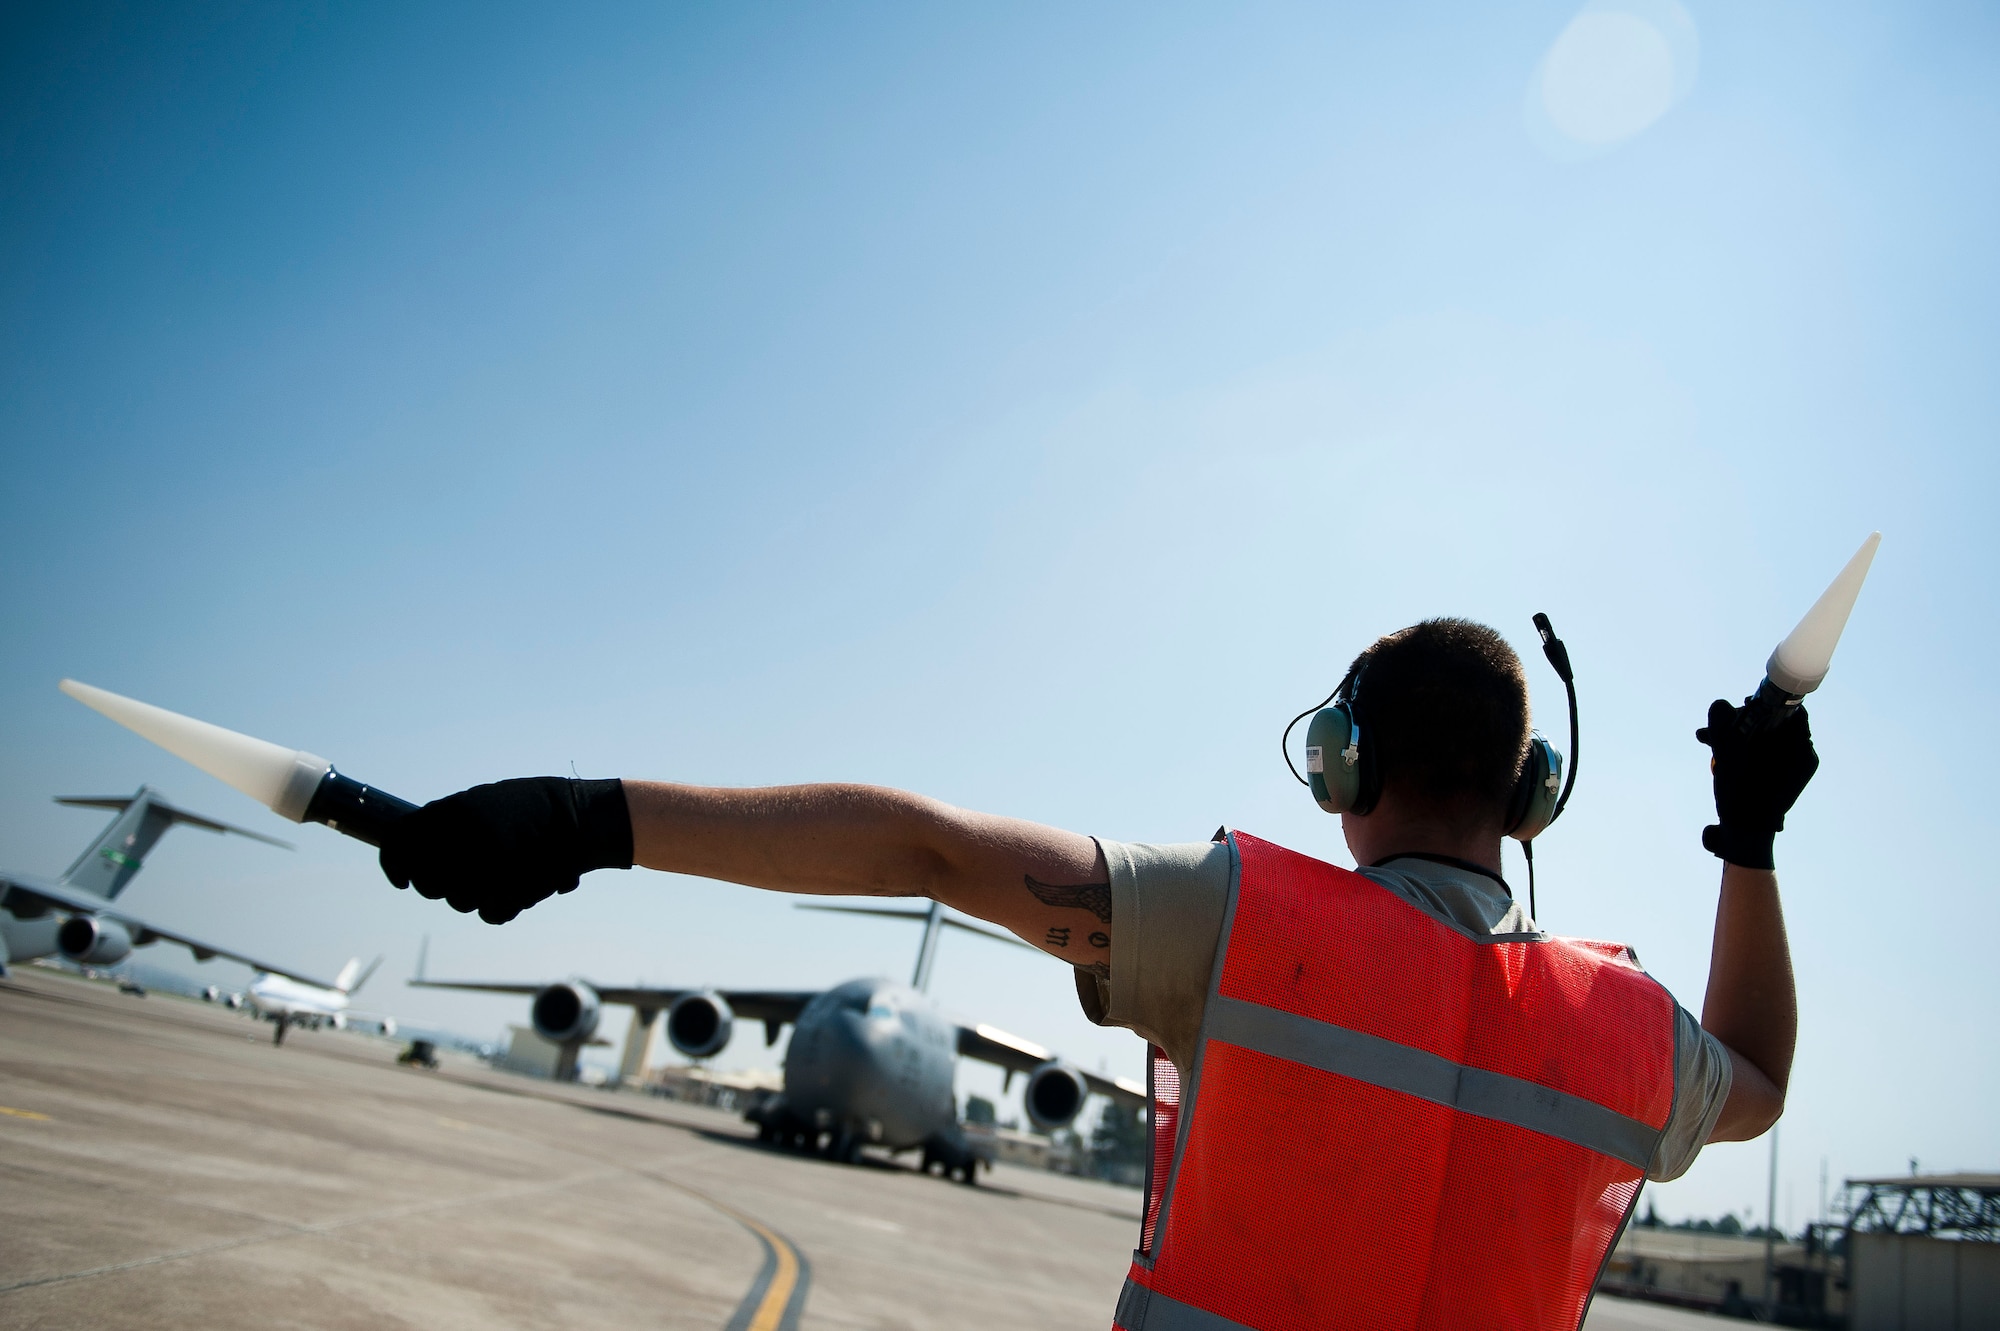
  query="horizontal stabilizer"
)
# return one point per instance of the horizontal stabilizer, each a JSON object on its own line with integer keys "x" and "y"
{"x": 920, "y": 915}
{"x": 120, "y": 803}
{"x": 109, "y": 863}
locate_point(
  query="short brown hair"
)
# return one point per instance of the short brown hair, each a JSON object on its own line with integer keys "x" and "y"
{"x": 1444, "y": 705}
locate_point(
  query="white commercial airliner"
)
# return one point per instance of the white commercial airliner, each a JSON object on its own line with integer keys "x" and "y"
{"x": 288, "y": 1002}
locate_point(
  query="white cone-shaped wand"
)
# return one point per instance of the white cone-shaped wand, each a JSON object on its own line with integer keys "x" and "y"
{"x": 295, "y": 784}
{"x": 1799, "y": 664}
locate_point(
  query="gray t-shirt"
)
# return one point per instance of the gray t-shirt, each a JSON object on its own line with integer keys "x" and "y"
{"x": 1167, "y": 905}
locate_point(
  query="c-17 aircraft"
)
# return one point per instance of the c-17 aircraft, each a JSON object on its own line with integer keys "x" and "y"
{"x": 871, "y": 1062}
{"x": 75, "y": 915}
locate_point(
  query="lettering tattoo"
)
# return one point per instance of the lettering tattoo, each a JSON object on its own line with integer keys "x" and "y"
{"x": 1093, "y": 897}
{"x": 1099, "y": 939}
{"x": 1057, "y": 938}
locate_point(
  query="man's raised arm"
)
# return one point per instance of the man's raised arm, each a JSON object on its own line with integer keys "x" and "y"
{"x": 500, "y": 848}
{"x": 1751, "y": 1005}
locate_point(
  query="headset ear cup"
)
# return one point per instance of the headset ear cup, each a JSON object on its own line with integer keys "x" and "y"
{"x": 1333, "y": 759}
{"x": 1367, "y": 775}
{"x": 1533, "y": 805}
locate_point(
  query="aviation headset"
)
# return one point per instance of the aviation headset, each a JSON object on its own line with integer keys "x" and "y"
{"x": 1342, "y": 774}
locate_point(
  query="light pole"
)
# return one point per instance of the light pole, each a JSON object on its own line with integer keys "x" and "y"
{"x": 1771, "y": 1223}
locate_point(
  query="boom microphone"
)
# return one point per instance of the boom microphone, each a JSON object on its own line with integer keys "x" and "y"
{"x": 292, "y": 783}
{"x": 1799, "y": 663}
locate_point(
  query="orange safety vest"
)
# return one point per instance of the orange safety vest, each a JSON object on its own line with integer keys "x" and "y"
{"x": 1393, "y": 1122}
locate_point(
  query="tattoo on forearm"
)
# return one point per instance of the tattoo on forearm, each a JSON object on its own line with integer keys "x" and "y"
{"x": 1057, "y": 938}
{"x": 1093, "y": 897}
{"x": 1099, "y": 939}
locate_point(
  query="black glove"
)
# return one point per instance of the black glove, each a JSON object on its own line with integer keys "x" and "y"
{"x": 1758, "y": 776}
{"x": 499, "y": 849}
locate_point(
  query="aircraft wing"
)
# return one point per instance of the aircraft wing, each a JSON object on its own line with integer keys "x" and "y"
{"x": 773, "y": 1007}
{"x": 143, "y": 931}
{"x": 990, "y": 1044}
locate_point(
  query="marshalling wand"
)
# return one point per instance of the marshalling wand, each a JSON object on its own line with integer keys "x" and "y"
{"x": 1799, "y": 663}
{"x": 292, "y": 783}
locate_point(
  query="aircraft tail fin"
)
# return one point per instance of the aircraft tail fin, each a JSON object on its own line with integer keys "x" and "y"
{"x": 346, "y": 982}
{"x": 109, "y": 863}
{"x": 935, "y": 920}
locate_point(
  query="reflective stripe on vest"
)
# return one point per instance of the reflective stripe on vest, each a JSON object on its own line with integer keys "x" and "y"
{"x": 1394, "y": 1123}
{"x": 1398, "y": 1067}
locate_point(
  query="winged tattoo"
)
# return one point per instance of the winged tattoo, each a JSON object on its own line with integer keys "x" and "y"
{"x": 1093, "y": 897}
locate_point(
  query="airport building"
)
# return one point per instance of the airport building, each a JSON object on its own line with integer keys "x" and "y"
{"x": 1693, "y": 1268}
{"x": 1924, "y": 1253}
{"x": 732, "y": 1091}
{"x": 1917, "y": 1253}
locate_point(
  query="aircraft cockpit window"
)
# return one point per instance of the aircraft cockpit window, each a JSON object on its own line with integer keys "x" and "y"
{"x": 881, "y": 1010}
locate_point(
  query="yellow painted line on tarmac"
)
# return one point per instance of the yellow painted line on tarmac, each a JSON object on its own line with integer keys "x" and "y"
{"x": 778, "y": 1294}
{"x": 776, "y": 1298}
{"x": 22, "y": 1113}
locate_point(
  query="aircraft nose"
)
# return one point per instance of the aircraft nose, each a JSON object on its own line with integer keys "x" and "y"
{"x": 837, "y": 1064}
{"x": 860, "y": 1042}
{"x": 830, "y": 1053}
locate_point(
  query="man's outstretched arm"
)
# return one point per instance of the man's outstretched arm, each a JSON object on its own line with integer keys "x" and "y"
{"x": 1048, "y": 886}
{"x": 498, "y": 849}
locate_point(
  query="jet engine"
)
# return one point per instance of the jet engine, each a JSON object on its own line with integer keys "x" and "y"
{"x": 699, "y": 1024}
{"x": 565, "y": 1013}
{"x": 1054, "y": 1094}
{"x": 92, "y": 940}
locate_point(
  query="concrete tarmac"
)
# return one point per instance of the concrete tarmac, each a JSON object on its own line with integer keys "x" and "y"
{"x": 164, "y": 1166}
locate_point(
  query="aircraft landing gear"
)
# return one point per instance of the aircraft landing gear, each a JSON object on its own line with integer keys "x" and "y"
{"x": 282, "y": 1024}
{"x": 950, "y": 1160}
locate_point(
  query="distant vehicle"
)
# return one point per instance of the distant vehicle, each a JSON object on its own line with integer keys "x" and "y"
{"x": 75, "y": 916}
{"x": 421, "y": 1053}
{"x": 871, "y": 1062}
{"x": 132, "y": 987}
{"x": 286, "y": 1001}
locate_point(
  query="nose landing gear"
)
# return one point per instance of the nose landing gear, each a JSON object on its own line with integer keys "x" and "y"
{"x": 951, "y": 1162}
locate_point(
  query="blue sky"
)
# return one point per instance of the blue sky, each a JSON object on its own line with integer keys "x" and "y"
{"x": 1031, "y": 407}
